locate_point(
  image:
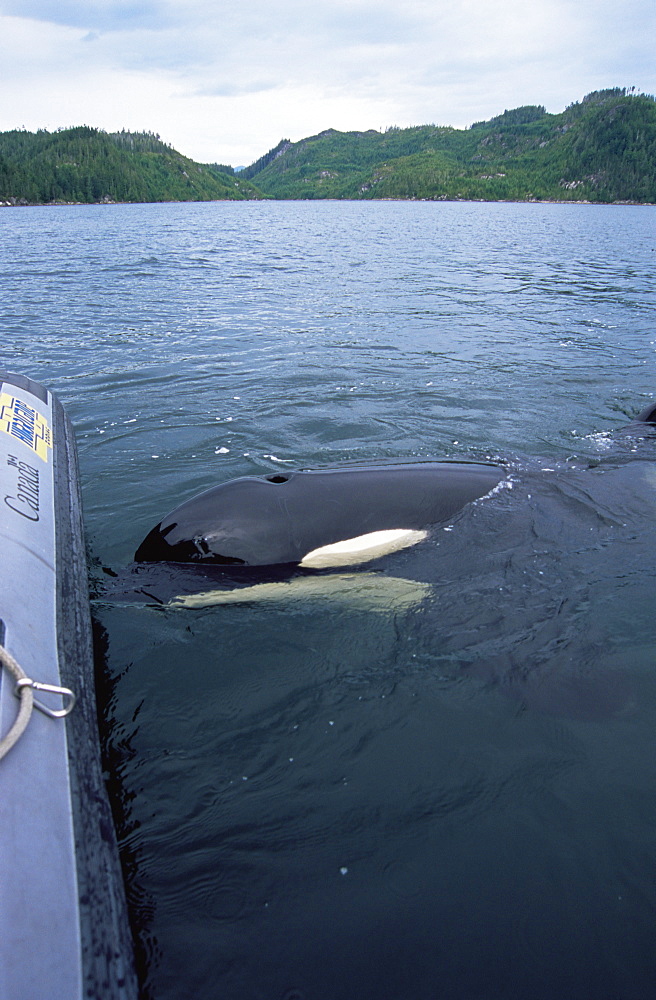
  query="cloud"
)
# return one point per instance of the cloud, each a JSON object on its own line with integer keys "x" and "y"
{"x": 227, "y": 80}
{"x": 90, "y": 14}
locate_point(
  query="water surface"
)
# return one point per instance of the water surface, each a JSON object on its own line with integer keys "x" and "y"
{"x": 447, "y": 793}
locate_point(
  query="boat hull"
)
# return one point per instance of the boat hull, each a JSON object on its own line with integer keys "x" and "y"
{"x": 63, "y": 920}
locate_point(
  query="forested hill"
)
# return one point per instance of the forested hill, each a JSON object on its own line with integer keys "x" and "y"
{"x": 88, "y": 165}
{"x": 602, "y": 149}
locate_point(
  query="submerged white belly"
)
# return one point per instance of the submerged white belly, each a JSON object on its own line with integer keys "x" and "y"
{"x": 365, "y": 591}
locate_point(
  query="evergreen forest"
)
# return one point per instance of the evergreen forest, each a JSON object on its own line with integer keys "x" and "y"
{"x": 87, "y": 165}
{"x": 601, "y": 149}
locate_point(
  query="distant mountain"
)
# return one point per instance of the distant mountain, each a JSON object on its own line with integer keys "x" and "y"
{"x": 88, "y": 165}
{"x": 602, "y": 149}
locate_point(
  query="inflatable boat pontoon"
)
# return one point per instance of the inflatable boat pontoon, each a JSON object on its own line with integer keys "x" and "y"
{"x": 64, "y": 932}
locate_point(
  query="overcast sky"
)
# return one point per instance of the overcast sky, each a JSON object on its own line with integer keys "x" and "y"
{"x": 224, "y": 81}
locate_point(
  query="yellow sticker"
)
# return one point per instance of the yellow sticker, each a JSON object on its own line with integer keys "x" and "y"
{"x": 23, "y": 423}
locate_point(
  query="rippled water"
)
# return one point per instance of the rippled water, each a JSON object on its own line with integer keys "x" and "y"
{"x": 436, "y": 780}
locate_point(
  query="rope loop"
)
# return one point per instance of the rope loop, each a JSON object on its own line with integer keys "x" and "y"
{"x": 26, "y": 696}
{"x": 24, "y": 691}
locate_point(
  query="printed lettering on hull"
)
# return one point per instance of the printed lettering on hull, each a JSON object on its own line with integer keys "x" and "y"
{"x": 23, "y": 423}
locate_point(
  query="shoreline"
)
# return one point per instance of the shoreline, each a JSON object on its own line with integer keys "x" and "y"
{"x": 438, "y": 199}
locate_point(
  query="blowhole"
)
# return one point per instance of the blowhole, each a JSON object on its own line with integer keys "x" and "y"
{"x": 277, "y": 478}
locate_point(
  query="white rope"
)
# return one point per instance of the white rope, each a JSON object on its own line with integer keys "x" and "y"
{"x": 26, "y": 702}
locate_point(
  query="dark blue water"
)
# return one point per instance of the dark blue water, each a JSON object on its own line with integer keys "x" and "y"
{"x": 435, "y": 778}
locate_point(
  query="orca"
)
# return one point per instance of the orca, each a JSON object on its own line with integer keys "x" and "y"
{"x": 494, "y": 602}
{"x": 318, "y": 518}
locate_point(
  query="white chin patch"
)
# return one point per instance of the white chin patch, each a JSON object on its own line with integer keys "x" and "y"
{"x": 351, "y": 551}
